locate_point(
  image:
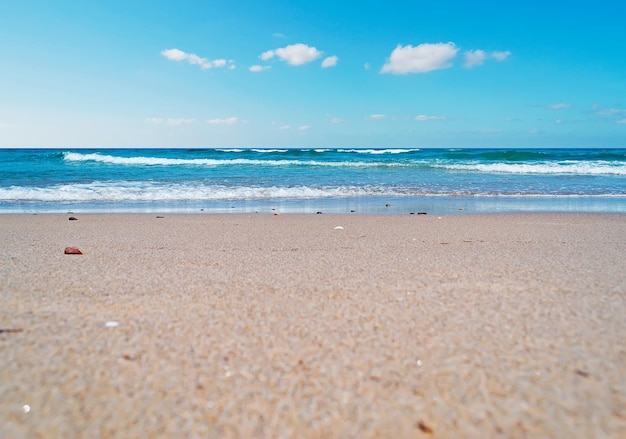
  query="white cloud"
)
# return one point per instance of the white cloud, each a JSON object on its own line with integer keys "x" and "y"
{"x": 366, "y": 66}
{"x": 423, "y": 118}
{"x": 278, "y": 35}
{"x": 560, "y": 106}
{"x": 179, "y": 122}
{"x": 267, "y": 55}
{"x": 223, "y": 121}
{"x": 611, "y": 112}
{"x": 331, "y": 61}
{"x": 174, "y": 54}
{"x": 474, "y": 58}
{"x": 622, "y": 121}
{"x": 294, "y": 54}
{"x": 191, "y": 58}
{"x": 304, "y": 127}
{"x": 500, "y": 56}
{"x": 375, "y": 117}
{"x": 173, "y": 122}
{"x": 336, "y": 120}
{"x": 420, "y": 59}
{"x": 258, "y": 68}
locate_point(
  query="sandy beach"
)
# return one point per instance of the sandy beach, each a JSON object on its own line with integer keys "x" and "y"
{"x": 313, "y": 326}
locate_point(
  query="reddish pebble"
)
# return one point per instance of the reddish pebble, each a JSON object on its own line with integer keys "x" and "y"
{"x": 72, "y": 251}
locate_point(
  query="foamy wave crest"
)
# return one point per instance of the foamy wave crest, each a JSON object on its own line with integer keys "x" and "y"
{"x": 161, "y": 161}
{"x": 149, "y": 191}
{"x": 379, "y": 151}
{"x": 569, "y": 167}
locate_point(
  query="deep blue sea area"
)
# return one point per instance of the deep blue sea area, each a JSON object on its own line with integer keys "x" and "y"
{"x": 395, "y": 181}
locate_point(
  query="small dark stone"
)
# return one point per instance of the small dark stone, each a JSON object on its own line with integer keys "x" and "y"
{"x": 73, "y": 218}
{"x": 72, "y": 251}
{"x": 10, "y": 330}
{"x": 160, "y": 217}
{"x": 424, "y": 427}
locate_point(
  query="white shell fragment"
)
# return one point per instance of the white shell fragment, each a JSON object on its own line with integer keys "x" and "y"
{"x": 112, "y": 324}
{"x": 338, "y": 228}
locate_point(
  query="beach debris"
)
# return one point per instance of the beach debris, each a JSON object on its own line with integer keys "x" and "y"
{"x": 26, "y": 408}
{"x": 424, "y": 427}
{"x": 72, "y": 251}
{"x": 276, "y": 213}
{"x": 112, "y": 324}
{"x": 338, "y": 228}
{"x": 318, "y": 213}
{"x": 73, "y": 218}
{"x": 422, "y": 213}
{"x": 582, "y": 373}
{"x": 160, "y": 216}
{"x": 10, "y": 330}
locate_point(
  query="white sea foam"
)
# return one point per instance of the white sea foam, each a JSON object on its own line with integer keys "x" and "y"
{"x": 124, "y": 191}
{"x": 161, "y": 161}
{"x": 567, "y": 167}
{"x": 148, "y": 191}
{"x": 379, "y": 151}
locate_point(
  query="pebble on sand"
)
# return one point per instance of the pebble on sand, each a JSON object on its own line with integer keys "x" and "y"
{"x": 72, "y": 251}
{"x": 73, "y": 218}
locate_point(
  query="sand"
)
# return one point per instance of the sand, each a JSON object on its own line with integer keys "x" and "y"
{"x": 262, "y": 326}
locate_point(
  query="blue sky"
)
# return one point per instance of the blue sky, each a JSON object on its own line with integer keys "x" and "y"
{"x": 279, "y": 73}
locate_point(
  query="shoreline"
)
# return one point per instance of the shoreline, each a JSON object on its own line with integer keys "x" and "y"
{"x": 300, "y": 325}
{"x": 388, "y": 205}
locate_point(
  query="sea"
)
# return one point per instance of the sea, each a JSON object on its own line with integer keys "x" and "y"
{"x": 311, "y": 181}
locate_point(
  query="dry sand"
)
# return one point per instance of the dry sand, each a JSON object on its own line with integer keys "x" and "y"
{"x": 267, "y": 326}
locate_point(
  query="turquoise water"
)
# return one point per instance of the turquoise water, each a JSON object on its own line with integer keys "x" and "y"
{"x": 312, "y": 180}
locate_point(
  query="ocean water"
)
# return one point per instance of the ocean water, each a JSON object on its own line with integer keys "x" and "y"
{"x": 398, "y": 181}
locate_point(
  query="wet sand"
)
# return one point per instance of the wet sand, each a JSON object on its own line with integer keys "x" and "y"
{"x": 398, "y": 326}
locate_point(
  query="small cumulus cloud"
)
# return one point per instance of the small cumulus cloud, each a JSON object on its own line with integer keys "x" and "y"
{"x": 258, "y": 68}
{"x": 279, "y": 35}
{"x": 304, "y": 128}
{"x": 375, "y": 117}
{"x": 204, "y": 63}
{"x": 424, "y": 118}
{"x": 420, "y": 59}
{"x": 561, "y": 106}
{"x": 336, "y": 120}
{"x": 500, "y": 56}
{"x": 610, "y": 111}
{"x": 223, "y": 121}
{"x": 173, "y": 122}
{"x": 293, "y": 54}
{"x": 622, "y": 121}
{"x": 474, "y": 58}
{"x": 331, "y": 61}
